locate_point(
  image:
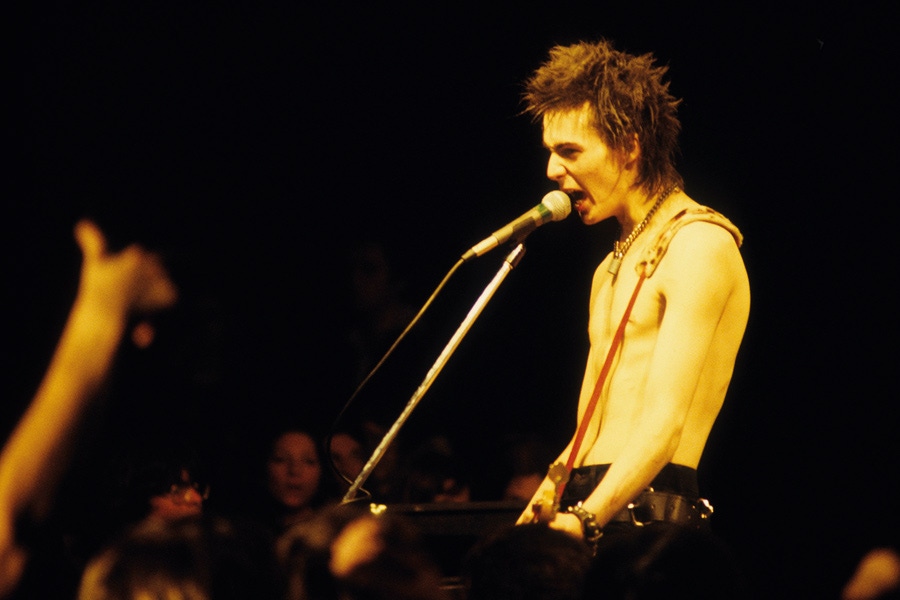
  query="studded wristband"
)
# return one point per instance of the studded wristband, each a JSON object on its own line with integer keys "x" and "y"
{"x": 592, "y": 531}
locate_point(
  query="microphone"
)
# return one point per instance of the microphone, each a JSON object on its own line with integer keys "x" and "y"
{"x": 555, "y": 206}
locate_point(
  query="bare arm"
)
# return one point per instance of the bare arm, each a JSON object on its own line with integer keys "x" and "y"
{"x": 112, "y": 287}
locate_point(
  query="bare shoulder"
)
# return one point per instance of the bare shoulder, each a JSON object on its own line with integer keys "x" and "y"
{"x": 707, "y": 235}
{"x": 704, "y": 256}
{"x": 695, "y": 233}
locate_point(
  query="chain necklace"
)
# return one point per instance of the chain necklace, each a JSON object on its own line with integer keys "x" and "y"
{"x": 619, "y": 250}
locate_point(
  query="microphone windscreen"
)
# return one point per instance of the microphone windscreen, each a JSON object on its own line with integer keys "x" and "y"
{"x": 558, "y": 203}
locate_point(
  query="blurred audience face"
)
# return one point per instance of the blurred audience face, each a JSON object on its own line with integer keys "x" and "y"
{"x": 347, "y": 455}
{"x": 184, "y": 499}
{"x": 293, "y": 470}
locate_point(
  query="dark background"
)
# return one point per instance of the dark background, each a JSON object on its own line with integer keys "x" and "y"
{"x": 252, "y": 144}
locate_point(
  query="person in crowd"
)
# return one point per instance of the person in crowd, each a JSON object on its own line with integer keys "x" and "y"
{"x": 348, "y": 551}
{"x": 168, "y": 484}
{"x": 384, "y": 557}
{"x": 668, "y": 305}
{"x": 194, "y": 558}
{"x": 165, "y": 481}
{"x": 304, "y": 552}
{"x": 436, "y": 473}
{"x": 657, "y": 562}
{"x": 348, "y": 454}
{"x": 114, "y": 289}
{"x": 295, "y": 484}
{"x": 526, "y": 562}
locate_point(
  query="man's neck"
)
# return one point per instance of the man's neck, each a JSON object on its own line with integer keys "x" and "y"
{"x": 638, "y": 205}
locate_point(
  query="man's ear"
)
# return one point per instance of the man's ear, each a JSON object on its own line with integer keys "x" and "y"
{"x": 632, "y": 153}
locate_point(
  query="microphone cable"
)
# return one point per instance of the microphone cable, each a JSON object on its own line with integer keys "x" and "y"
{"x": 330, "y": 434}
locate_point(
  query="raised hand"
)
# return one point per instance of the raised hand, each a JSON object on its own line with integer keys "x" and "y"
{"x": 132, "y": 281}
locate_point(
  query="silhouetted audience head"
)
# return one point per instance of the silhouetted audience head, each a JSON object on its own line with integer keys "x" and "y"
{"x": 656, "y": 562}
{"x": 304, "y": 552}
{"x": 436, "y": 473}
{"x": 348, "y": 552}
{"x": 526, "y": 562}
{"x": 383, "y": 557}
{"x": 522, "y": 464}
{"x": 195, "y": 558}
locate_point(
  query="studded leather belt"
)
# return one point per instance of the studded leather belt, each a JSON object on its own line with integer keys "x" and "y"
{"x": 651, "y": 506}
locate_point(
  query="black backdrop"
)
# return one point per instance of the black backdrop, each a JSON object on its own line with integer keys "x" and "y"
{"x": 252, "y": 144}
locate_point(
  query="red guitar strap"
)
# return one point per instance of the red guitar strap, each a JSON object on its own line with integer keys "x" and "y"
{"x": 586, "y": 418}
{"x": 647, "y": 265}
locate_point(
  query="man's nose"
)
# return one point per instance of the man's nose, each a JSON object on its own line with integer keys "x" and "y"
{"x": 555, "y": 170}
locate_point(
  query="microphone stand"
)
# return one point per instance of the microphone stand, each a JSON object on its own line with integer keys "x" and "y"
{"x": 508, "y": 264}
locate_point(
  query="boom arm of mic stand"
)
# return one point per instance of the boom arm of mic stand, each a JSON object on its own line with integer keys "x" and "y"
{"x": 511, "y": 261}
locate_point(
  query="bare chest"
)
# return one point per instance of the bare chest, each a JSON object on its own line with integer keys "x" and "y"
{"x": 623, "y": 302}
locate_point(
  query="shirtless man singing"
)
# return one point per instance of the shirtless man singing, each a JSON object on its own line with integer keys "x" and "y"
{"x": 656, "y": 377}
